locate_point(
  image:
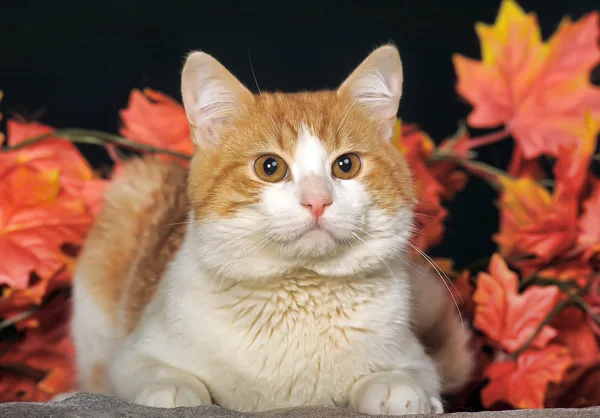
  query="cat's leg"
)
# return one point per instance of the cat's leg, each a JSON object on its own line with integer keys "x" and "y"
{"x": 396, "y": 392}
{"x": 147, "y": 381}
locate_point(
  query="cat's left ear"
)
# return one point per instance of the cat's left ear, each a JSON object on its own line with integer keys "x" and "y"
{"x": 375, "y": 87}
{"x": 212, "y": 97}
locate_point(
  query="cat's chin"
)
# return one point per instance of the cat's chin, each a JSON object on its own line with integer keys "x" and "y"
{"x": 315, "y": 243}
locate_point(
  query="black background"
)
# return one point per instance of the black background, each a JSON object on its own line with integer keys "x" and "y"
{"x": 72, "y": 63}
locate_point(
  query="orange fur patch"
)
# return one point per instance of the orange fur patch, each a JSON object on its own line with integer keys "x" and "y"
{"x": 139, "y": 230}
{"x": 222, "y": 181}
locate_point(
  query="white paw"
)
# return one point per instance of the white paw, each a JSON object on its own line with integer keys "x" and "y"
{"x": 170, "y": 395}
{"x": 391, "y": 398}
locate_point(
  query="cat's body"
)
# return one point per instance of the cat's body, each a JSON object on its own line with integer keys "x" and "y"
{"x": 214, "y": 286}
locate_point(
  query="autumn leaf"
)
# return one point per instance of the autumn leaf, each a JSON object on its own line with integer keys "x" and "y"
{"x": 523, "y": 383}
{"x": 577, "y": 389}
{"x": 76, "y": 177}
{"x": 567, "y": 269}
{"x": 538, "y": 90}
{"x": 575, "y": 333}
{"x": 41, "y": 364}
{"x": 588, "y": 238}
{"x": 34, "y": 224}
{"x": 572, "y": 168}
{"x": 48, "y": 155}
{"x": 432, "y": 183}
{"x": 15, "y": 301}
{"x": 535, "y": 222}
{"x": 531, "y": 222}
{"x": 507, "y": 317}
{"x": 154, "y": 118}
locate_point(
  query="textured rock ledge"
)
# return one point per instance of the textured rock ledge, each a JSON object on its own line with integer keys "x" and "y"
{"x": 86, "y": 405}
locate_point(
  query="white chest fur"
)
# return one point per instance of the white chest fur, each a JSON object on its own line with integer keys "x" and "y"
{"x": 297, "y": 340}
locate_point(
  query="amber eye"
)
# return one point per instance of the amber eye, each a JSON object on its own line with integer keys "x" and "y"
{"x": 270, "y": 168}
{"x": 346, "y": 166}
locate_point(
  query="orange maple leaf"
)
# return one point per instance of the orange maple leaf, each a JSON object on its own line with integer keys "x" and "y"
{"x": 534, "y": 222}
{"x": 538, "y": 90}
{"x": 531, "y": 222}
{"x": 34, "y": 224}
{"x": 507, "y": 317}
{"x": 50, "y": 154}
{"x": 76, "y": 176}
{"x": 154, "y": 118}
{"x": 523, "y": 383}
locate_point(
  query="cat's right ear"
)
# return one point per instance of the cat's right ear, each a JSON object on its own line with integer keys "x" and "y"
{"x": 212, "y": 97}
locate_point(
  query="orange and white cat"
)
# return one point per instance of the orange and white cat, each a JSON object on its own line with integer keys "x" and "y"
{"x": 273, "y": 273}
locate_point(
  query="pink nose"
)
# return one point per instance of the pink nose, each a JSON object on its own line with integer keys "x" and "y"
{"x": 316, "y": 205}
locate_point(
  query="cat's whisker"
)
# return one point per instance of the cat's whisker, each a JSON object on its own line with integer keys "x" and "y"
{"x": 253, "y": 245}
{"x": 385, "y": 263}
{"x": 345, "y": 117}
{"x": 439, "y": 271}
{"x": 258, "y": 247}
{"x": 259, "y": 92}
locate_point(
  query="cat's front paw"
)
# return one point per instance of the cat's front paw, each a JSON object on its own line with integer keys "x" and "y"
{"x": 173, "y": 395}
{"x": 396, "y": 398}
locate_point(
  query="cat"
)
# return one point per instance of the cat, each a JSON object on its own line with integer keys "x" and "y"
{"x": 275, "y": 271}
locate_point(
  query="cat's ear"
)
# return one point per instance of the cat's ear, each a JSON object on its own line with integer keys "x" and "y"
{"x": 375, "y": 86}
{"x": 212, "y": 97}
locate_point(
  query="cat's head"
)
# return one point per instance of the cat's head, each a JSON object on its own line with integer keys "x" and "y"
{"x": 305, "y": 180}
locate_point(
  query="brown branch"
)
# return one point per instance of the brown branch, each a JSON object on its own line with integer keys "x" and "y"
{"x": 24, "y": 371}
{"x": 8, "y": 322}
{"x": 578, "y": 300}
{"x": 563, "y": 285}
{"x": 84, "y": 136}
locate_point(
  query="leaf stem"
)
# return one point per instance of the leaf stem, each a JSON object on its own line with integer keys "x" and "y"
{"x": 579, "y": 301}
{"x": 553, "y": 313}
{"x": 563, "y": 285}
{"x": 85, "y": 136}
{"x": 488, "y": 139}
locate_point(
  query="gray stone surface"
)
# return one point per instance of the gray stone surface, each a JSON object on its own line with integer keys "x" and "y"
{"x": 86, "y": 405}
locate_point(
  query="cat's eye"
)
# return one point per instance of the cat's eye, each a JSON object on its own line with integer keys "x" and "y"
{"x": 346, "y": 166}
{"x": 270, "y": 168}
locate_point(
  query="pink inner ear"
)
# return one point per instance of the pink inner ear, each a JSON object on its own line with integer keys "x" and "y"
{"x": 203, "y": 135}
{"x": 395, "y": 82}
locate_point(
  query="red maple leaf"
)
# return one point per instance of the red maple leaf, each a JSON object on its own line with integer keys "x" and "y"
{"x": 507, "y": 317}
{"x": 588, "y": 239}
{"x": 155, "y": 119}
{"x": 523, "y": 383}
{"x": 15, "y": 301}
{"x": 41, "y": 363}
{"x": 538, "y": 90}
{"x": 35, "y": 224}
{"x": 575, "y": 333}
{"x": 432, "y": 183}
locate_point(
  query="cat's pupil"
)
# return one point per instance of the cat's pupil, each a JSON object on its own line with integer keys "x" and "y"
{"x": 345, "y": 163}
{"x": 270, "y": 166}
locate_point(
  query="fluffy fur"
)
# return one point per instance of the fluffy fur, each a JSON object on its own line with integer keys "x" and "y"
{"x": 216, "y": 286}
